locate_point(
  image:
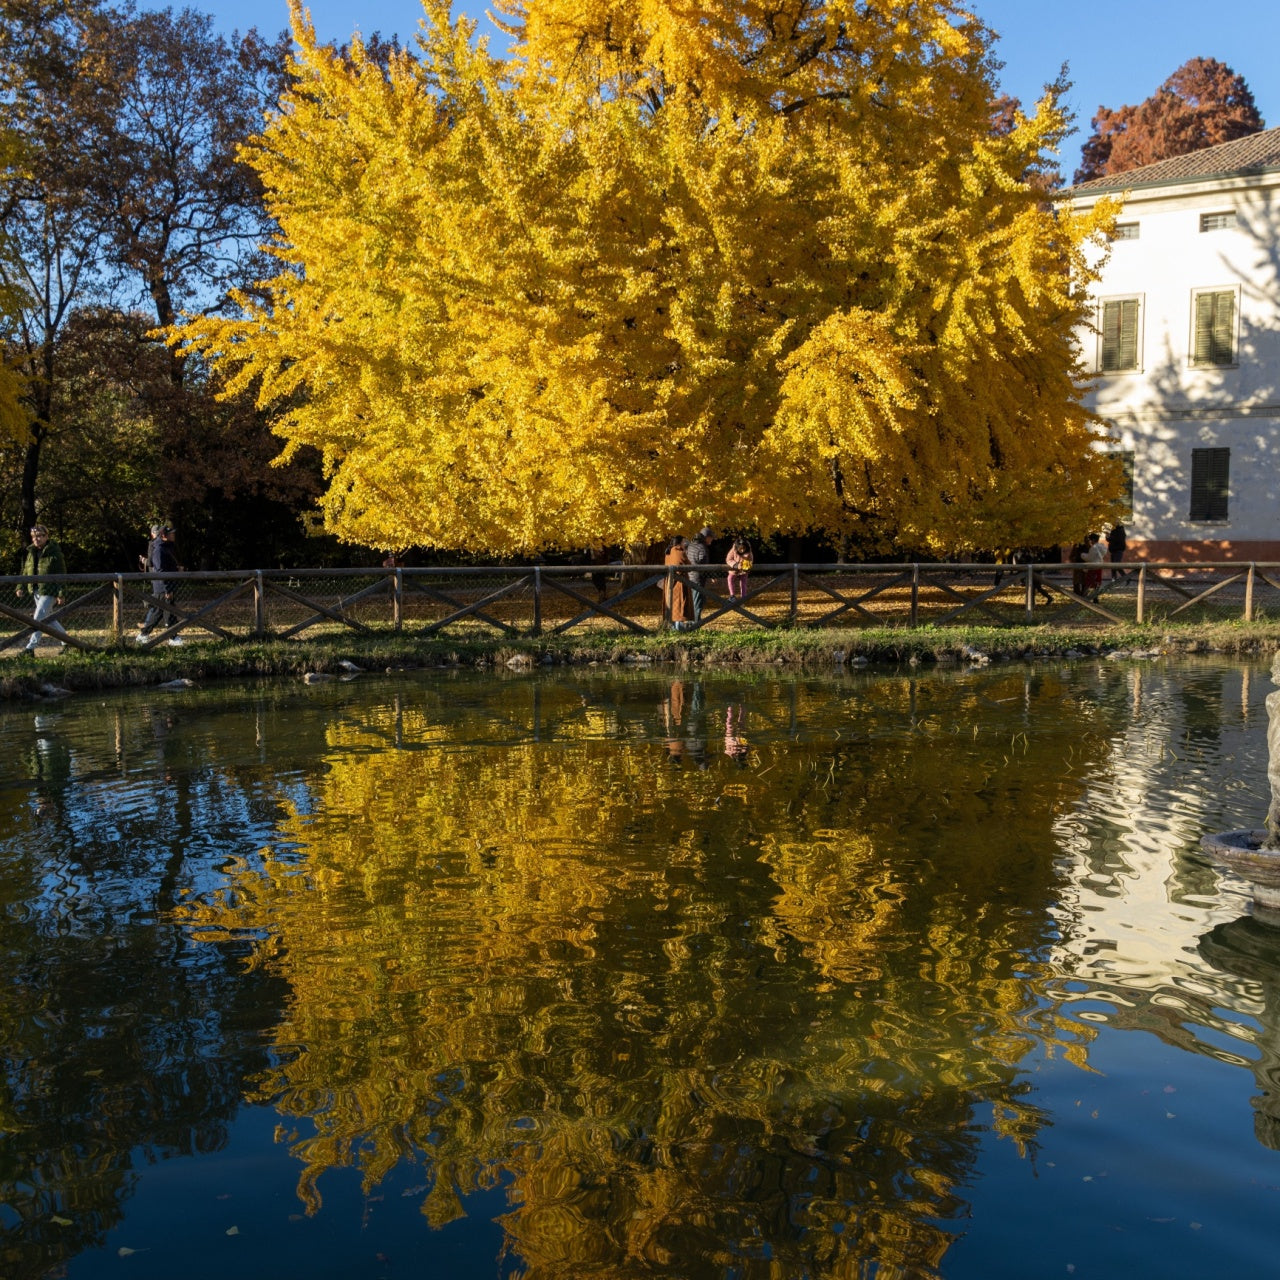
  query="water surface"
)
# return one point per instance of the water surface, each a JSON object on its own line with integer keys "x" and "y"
{"x": 630, "y": 974}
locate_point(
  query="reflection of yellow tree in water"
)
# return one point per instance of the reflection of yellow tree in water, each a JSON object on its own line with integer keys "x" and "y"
{"x": 687, "y": 1040}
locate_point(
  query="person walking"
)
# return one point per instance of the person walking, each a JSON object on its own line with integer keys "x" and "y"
{"x": 739, "y": 561}
{"x": 675, "y": 591}
{"x": 43, "y": 556}
{"x": 698, "y": 551}
{"x": 159, "y": 559}
{"x": 1117, "y": 540}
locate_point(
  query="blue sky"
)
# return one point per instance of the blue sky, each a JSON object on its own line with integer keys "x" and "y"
{"x": 1118, "y": 51}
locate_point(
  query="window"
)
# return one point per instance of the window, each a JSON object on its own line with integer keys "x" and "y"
{"x": 1218, "y": 221}
{"x": 1125, "y": 458}
{"x": 1213, "y": 326}
{"x": 1125, "y": 231}
{"x": 1120, "y": 335}
{"x": 1210, "y": 483}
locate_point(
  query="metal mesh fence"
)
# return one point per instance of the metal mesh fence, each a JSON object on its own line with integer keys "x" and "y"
{"x": 84, "y": 616}
{"x": 191, "y": 607}
{"x": 468, "y": 603}
{"x": 310, "y": 605}
{"x": 98, "y": 611}
{"x": 1266, "y": 596}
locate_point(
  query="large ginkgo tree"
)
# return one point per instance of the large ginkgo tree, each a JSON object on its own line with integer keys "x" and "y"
{"x": 764, "y": 265}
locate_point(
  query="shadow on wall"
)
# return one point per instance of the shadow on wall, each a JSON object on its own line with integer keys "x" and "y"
{"x": 1233, "y": 406}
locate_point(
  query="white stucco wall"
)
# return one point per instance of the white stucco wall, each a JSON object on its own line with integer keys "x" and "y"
{"x": 1167, "y": 407}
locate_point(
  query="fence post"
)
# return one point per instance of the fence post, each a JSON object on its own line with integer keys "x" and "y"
{"x": 1031, "y": 592}
{"x": 914, "y": 620}
{"x": 794, "y": 617}
{"x": 537, "y": 599}
{"x": 259, "y": 604}
{"x": 1142, "y": 593}
{"x": 397, "y": 599}
{"x": 117, "y": 611}
{"x": 1248, "y": 594}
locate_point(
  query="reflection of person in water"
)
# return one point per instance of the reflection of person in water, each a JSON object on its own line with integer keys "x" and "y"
{"x": 695, "y": 741}
{"x": 50, "y": 766}
{"x": 673, "y": 719}
{"x": 735, "y": 746}
{"x": 685, "y": 735}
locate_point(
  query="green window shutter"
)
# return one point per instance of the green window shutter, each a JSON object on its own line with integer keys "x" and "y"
{"x": 1224, "y": 328}
{"x": 1210, "y": 483}
{"x": 1204, "y": 328}
{"x": 1120, "y": 335}
{"x": 1126, "y": 461}
{"x": 1215, "y": 325}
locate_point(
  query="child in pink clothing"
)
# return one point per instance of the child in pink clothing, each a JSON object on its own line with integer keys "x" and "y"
{"x": 739, "y": 561}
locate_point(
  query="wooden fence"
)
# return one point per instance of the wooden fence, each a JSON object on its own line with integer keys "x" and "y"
{"x": 101, "y": 611}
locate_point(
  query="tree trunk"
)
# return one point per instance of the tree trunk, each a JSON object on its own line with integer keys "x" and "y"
{"x": 162, "y": 298}
{"x": 30, "y": 474}
{"x": 41, "y": 392}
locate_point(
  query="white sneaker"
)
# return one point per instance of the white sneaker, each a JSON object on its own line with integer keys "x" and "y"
{"x": 175, "y": 640}
{"x": 140, "y": 638}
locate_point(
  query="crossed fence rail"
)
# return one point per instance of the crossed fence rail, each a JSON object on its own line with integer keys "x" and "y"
{"x": 101, "y": 611}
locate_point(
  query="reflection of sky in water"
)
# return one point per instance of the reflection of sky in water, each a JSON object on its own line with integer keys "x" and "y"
{"x": 683, "y": 974}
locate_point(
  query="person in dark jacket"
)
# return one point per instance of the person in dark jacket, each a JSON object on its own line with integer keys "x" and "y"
{"x": 43, "y": 556}
{"x": 1117, "y": 540}
{"x": 698, "y": 551}
{"x": 159, "y": 559}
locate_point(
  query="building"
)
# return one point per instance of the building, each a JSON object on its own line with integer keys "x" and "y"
{"x": 1186, "y": 349}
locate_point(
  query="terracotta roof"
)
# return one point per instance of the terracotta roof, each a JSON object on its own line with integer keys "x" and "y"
{"x": 1254, "y": 154}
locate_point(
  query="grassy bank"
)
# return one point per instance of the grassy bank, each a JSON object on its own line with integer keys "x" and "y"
{"x": 24, "y": 677}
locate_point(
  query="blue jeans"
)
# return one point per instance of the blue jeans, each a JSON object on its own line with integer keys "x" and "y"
{"x": 45, "y": 605}
{"x": 161, "y": 596}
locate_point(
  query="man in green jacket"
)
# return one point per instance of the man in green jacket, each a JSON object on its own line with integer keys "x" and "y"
{"x": 43, "y": 556}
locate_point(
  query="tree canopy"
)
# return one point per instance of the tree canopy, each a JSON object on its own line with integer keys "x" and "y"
{"x": 758, "y": 265}
{"x": 121, "y": 184}
{"x": 1203, "y": 103}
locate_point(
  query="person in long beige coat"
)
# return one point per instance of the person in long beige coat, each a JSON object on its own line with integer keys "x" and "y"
{"x": 676, "y": 605}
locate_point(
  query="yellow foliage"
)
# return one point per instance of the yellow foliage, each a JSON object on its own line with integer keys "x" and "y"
{"x": 761, "y": 264}
{"x": 15, "y": 419}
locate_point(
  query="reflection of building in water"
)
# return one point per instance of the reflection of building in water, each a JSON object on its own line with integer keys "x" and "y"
{"x": 1139, "y": 896}
{"x": 1247, "y": 952}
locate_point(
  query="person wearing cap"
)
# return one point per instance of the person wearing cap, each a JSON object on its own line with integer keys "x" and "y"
{"x": 698, "y": 553}
{"x": 159, "y": 559}
{"x": 43, "y": 556}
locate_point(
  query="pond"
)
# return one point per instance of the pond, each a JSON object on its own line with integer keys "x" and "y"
{"x": 629, "y": 973}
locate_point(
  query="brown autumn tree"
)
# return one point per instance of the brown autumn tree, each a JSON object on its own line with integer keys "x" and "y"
{"x": 123, "y": 202}
{"x": 1203, "y": 103}
{"x": 183, "y": 221}
{"x": 50, "y": 236}
{"x": 136, "y": 446}
{"x": 183, "y": 217}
